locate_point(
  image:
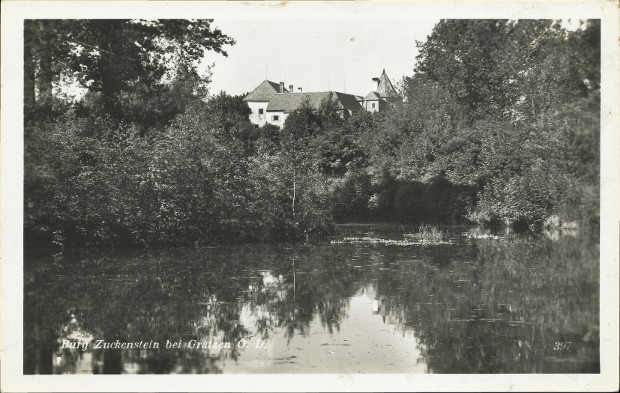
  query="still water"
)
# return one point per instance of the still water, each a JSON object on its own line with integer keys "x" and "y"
{"x": 478, "y": 303}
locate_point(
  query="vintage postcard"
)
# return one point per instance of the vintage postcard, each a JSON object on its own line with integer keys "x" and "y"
{"x": 286, "y": 196}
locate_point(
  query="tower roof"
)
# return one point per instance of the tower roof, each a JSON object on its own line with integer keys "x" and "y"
{"x": 385, "y": 88}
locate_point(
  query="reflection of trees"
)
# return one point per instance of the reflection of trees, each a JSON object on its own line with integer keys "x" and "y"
{"x": 494, "y": 306}
{"x": 132, "y": 296}
{"x": 502, "y": 310}
{"x": 317, "y": 282}
{"x": 41, "y": 310}
{"x": 177, "y": 294}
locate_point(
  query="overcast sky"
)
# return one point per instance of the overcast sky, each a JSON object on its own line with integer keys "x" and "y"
{"x": 317, "y": 55}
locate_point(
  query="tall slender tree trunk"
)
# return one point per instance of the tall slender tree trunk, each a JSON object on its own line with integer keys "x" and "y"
{"x": 294, "y": 191}
{"x": 39, "y": 41}
{"x": 29, "y": 82}
{"x": 45, "y": 74}
{"x": 111, "y": 35}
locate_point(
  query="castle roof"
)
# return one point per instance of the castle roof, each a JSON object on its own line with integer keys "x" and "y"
{"x": 349, "y": 101}
{"x": 264, "y": 91}
{"x": 386, "y": 89}
{"x": 288, "y": 102}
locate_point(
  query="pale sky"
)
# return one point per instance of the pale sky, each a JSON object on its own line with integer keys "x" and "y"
{"x": 316, "y": 54}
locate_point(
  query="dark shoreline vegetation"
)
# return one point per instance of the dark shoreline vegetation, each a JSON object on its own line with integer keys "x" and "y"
{"x": 499, "y": 126}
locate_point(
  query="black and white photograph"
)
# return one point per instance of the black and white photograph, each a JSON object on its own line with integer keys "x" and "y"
{"x": 310, "y": 196}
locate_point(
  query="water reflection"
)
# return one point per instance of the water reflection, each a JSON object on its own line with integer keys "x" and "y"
{"x": 477, "y": 306}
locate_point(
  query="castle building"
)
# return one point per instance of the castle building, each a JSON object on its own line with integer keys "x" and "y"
{"x": 271, "y": 103}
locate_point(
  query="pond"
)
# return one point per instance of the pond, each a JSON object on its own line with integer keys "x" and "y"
{"x": 477, "y": 303}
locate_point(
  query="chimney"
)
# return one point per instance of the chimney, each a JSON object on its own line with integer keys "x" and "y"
{"x": 299, "y": 89}
{"x": 281, "y": 87}
{"x": 290, "y": 88}
{"x": 376, "y": 80}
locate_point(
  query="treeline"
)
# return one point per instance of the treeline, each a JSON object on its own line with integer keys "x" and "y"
{"x": 499, "y": 124}
{"x": 506, "y": 116}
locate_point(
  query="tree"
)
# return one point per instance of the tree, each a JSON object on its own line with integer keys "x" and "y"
{"x": 461, "y": 56}
{"x": 127, "y": 63}
{"x": 506, "y": 107}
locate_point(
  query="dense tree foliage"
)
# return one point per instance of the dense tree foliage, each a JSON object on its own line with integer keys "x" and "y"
{"x": 501, "y": 118}
{"x": 126, "y": 65}
{"x": 524, "y": 118}
{"x": 498, "y": 124}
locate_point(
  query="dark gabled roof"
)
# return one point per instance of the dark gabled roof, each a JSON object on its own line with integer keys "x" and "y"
{"x": 288, "y": 102}
{"x": 372, "y": 96}
{"x": 264, "y": 91}
{"x": 386, "y": 89}
{"x": 349, "y": 101}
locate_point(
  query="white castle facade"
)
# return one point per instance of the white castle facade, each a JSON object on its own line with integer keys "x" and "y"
{"x": 271, "y": 102}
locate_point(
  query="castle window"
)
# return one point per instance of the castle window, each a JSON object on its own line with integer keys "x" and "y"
{"x": 260, "y": 111}
{"x": 275, "y": 118}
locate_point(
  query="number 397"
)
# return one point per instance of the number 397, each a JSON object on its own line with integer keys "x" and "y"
{"x": 561, "y": 345}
